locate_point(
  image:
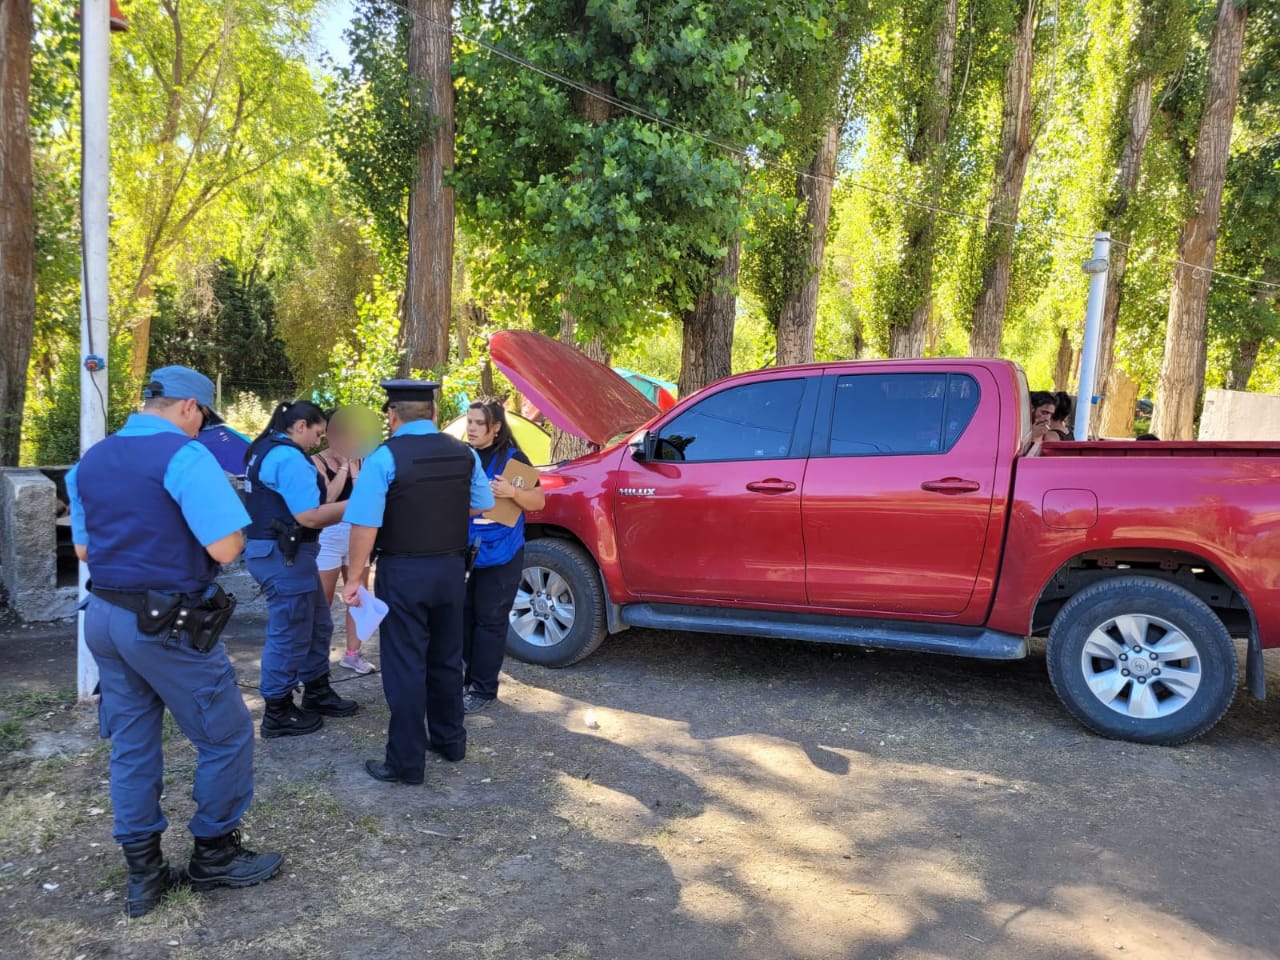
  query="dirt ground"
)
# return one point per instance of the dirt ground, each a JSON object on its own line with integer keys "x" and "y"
{"x": 674, "y": 796}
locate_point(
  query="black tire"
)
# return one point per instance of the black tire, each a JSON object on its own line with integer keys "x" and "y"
{"x": 1107, "y": 648}
{"x": 558, "y": 616}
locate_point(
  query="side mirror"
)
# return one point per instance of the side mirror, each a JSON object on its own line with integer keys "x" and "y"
{"x": 643, "y": 445}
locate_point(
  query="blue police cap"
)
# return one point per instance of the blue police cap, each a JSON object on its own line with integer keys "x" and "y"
{"x": 182, "y": 383}
{"x": 409, "y": 391}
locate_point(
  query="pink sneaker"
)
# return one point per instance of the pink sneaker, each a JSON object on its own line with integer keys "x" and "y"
{"x": 354, "y": 660}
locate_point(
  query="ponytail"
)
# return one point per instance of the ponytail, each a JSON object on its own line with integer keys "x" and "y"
{"x": 284, "y": 416}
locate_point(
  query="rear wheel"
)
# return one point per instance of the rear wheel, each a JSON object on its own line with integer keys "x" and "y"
{"x": 1140, "y": 659}
{"x": 558, "y": 614}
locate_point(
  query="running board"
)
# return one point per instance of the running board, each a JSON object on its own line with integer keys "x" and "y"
{"x": 821, "y": 628}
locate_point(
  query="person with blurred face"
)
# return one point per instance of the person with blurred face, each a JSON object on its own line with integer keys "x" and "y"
{"x": 339, "y": 463}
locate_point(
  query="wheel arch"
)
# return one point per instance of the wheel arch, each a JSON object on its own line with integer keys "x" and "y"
{"x": 1187, "y": 569}
{"x": 613, "y": 611}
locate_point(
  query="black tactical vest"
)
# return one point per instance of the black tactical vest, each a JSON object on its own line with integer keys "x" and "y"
{"x": 263, "y": 503}
{"x": 429, "y": 502}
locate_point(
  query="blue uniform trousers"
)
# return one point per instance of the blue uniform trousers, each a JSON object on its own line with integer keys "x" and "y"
{"x": 299, "y": 625}
{"x": 140, "y": 675}
{"x": 421, "y": 648}
{"x": 490, "y": 593}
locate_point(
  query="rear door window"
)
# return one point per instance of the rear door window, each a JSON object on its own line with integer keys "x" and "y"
{"x": 882, "y": 414}
{"x": 755, "y": 421}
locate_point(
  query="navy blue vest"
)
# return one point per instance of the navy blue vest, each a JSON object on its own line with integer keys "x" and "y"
{"x": 498, "y": 543}
{"x": 263, "y": 503}
{"x": 429, "y": 498}
{"x": 138, "y": 538}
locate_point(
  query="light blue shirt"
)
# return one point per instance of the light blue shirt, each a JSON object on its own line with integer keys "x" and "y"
{"x": 369, "y": 495}
{"x": 209, "y": 503}
{"x": 291, "y": 474}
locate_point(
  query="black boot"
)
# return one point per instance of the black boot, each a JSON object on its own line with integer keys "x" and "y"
{"x": 222, "y": 862}
{"x": 283, "y": 719}
{"x": 319, "y": 697}
{"x": 150, "y": 875}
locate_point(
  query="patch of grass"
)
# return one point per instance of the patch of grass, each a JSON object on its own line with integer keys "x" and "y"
{"x": 113, "y": 877}
{"x": 26, "y": 704}
{"x": 322, "y": 774}
{"x": 13, "y": 736}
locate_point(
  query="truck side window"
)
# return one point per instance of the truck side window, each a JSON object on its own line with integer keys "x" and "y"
{"x": 755, "y": 421}
{"x": 879, "y": 414}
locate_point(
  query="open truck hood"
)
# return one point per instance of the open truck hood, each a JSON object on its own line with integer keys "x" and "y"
{"x": 573, "y": 391}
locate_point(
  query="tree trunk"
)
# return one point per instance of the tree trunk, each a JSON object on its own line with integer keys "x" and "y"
{"x": 859, "y": 343}
{"x": 424, "y": 330}
{"x": 798, "y": 319}
{"x": 1016, "y": 142}
{"x": 706, "y": 353}
{"x": 1182, "y": 373}
{"x": 909, "y": 321}
{"x": 1243, "y": 358}
{"x": 1065, "y": 364}
{"x": 17, "y": 223}
{"x": 1141, "y": 101}
{"x": 564, "y": 445}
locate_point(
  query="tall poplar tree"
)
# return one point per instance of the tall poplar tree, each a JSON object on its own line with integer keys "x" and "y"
{"x": 1182, "y": 373}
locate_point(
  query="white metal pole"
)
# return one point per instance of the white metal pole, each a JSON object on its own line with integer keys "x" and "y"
{"x": 1096, "y": 267}
{"x": 95, "y": 54}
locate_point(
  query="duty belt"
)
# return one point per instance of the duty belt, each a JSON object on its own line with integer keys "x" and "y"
{"x": 202, "y": 616}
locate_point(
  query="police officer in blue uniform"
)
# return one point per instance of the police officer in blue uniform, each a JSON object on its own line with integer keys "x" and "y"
{"x": 285, "y": 493}
{"x": 494, "y": 579}
{"x": 153, "y": 515}
{"x": 412, "y": 503}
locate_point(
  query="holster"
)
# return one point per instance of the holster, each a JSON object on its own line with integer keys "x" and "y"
{"x": 163, "y": 612}
{"x": 210, "y": 617}
{"x": 202, "y": 618}
{"x": 473, "y": 551}
{"x": 288, "y": 539}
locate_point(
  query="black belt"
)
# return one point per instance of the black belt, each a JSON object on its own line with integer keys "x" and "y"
{"x": 135, "y": 601}
{"x": 199, "y": 617}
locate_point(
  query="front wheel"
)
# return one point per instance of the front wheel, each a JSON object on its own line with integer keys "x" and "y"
{"x": 558, "y": 614}
{"x": 1140, "y": 659}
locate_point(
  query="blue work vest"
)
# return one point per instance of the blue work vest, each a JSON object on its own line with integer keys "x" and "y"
{"x": 138, "y": 538}
{"x": 263, "y": 503}
{"x": 498, "y": 543}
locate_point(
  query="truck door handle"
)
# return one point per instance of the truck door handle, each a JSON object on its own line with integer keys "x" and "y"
{"x": 951, "y": 485}
{"x": 772, "y": 485}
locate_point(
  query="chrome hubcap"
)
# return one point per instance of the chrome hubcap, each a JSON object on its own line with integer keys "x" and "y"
{"x": 543, "y": 612}
{"x": 1141, "y": 666}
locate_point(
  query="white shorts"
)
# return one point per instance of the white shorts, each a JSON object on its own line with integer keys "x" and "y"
{"x": 334, "y": 542}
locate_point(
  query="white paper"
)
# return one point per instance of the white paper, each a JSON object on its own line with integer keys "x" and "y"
{"x": 368, "y": 615}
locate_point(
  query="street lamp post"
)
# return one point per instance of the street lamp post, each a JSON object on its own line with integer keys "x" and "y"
{"x": 97, "y": 19}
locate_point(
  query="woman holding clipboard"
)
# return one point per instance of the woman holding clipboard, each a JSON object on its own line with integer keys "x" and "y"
{"x": 491, "y": 588}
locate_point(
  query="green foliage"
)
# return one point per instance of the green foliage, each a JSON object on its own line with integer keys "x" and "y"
{"x": 358, "y": 366}
{"x": 331, "y": 270}
{"x": 214, "y": 112}
{"x": 380, "y": 116}
{"x": 248, "y": 412}
{"x": 53, "y": 413}
{"x": 55, "y": 62}
{"x": 225, "y": 327}
{"x": 591, "y": 209}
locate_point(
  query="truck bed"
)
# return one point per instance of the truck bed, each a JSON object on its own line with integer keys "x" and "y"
{"x": 1161, "y": 448}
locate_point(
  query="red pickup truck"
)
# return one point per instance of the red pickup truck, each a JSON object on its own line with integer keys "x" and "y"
{"x": 900, "y": 504}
